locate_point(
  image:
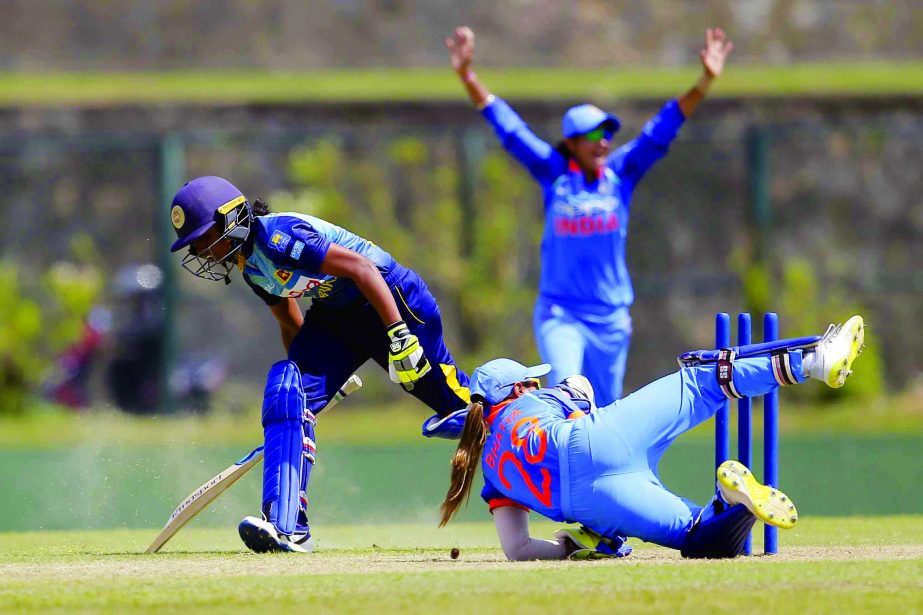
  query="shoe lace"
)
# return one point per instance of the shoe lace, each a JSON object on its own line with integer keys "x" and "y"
{"x": 831, "y": 332}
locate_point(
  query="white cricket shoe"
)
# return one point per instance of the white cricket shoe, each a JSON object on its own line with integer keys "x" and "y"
{"x": 738, "y": 486}
{"x": 579, "y": 386}
{"x": 261, "y": 536}
{"x": 836, "y": 351}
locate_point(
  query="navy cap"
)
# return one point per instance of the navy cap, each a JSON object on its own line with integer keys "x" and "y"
{"x": 584, "y": 118}
{"x": 495, "y": 379}
{"x": 194, "y": 206}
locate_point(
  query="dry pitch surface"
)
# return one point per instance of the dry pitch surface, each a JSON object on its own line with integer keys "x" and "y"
{"x": 827, "y": 565}
{"x": 113, "y": 566}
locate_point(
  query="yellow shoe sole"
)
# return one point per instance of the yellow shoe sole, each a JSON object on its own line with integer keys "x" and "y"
{"x": 841, "y": 370}
{"x": 738, "y": 486}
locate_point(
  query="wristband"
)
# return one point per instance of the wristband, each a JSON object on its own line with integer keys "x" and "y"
{"x": 486, "y": 102}
{"x": 396, "y": 327}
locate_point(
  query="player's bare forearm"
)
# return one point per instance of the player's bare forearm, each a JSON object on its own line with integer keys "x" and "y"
{"x": 343, "y": 262}
{"x": 373, "y": 287}
{"x": 461, "y": 54}
{"x": 290, "y": 319}
{"x": 512, "y": 525}
{"x": 477, "y": 92}
{"x": 713, "y": 56}
{"x": 691, "y": 99}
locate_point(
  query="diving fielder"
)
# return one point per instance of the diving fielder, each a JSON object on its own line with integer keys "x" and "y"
{"x": 549, "y": 449}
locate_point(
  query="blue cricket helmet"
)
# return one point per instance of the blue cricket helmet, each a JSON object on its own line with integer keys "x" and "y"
{"x": 196, "y": 205}
{"x": 201, "y": 204}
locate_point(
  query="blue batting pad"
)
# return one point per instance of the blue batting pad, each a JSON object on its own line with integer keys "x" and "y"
{"x": 698, "y": 357}
{"x": 718, "y": 534}
{"x": 308, "y": 459}
{"x": 283, "y": 415}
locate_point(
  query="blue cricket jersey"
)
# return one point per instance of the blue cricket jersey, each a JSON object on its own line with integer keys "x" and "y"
{"x": 286, "y": 253}
{"x": 586, "y": 223}
{"x": 524, "y": 452}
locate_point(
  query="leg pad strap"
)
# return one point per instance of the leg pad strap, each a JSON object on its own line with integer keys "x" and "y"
{"x": 724, "y": 371}
{"x": 782, "y": 368}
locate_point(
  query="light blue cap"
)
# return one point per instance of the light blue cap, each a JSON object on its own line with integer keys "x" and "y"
{"x": 584, "y": 118}
{"x": 495, "y": 379}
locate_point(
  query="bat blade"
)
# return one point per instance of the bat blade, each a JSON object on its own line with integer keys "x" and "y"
{"x": 196, "y": 501}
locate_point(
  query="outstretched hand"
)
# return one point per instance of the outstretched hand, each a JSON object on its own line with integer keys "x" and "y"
{"x": 461, "y": 49}
{"x": 717, "y": 49}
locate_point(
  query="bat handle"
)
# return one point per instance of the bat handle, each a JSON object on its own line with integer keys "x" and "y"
{"x": 352, "y": 384}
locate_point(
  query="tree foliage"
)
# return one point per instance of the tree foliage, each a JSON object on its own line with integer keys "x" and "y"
{"x": 41, "y": 315}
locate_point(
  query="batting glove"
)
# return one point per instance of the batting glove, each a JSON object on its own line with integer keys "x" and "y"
{"x": 407, "y": 363}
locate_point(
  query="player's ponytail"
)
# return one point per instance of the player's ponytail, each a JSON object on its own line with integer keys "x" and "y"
{"x": 465, "y": 461}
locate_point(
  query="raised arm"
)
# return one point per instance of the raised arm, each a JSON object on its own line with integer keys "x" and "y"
{"x": 632, "y": 160}
{"x": 461, "y": 53}
{"x": 513, "y": 530}
{"x": 717, "y": 49}
{"x": 538, "y": 156}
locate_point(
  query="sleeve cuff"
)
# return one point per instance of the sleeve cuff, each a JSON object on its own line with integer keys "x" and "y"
{"x": 487, "y": 102}
{"x": 496, "y": 503}
{"x": 672, "y": 109}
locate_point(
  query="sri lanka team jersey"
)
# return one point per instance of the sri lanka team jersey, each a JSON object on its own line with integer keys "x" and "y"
{"x": 521, "y": 458}
{"x": 586, "y": 222}
{"x": 286, "y": 254}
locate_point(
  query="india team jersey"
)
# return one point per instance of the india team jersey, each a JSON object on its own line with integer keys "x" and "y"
{"x": 522, "y": 453}
{"x": 286, "y": 256}
{"x": 586, "y": 222}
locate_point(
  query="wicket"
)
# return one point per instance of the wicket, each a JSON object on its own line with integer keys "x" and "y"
{"x": 744, "y": 414}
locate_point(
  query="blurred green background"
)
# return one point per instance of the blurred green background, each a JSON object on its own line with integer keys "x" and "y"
{"x": 114, "y": 471}
{"x": 795, "y": 188}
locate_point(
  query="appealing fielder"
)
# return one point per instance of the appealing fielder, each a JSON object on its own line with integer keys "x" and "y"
{"x": 550, "y": 450}
{"x": 363, "y": 305}
{"x": 581, "y": 320}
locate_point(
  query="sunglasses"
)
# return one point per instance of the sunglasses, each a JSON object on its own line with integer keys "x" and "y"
{"x": 595, "y": 136}
{"x": 534, "y": 381}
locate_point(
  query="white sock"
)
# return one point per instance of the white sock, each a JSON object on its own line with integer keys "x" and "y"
{"x": 807, "y": 363}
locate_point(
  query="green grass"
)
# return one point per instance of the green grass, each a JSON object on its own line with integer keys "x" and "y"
{"x": 868, "y": 565}
{"x": 98, "y": 487}
{"x": 416, "y": 84}
{"x": 360, "y": 422}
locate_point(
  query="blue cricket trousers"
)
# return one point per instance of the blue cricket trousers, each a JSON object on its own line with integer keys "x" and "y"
{"x": 334, "y": 342}
{"x": 576, "y": 343}
{"x": 613, "y": 453}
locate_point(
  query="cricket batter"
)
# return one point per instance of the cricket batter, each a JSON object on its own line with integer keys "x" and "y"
{"x": 581, "y": 320}
{"x": 550, "y": 450}
{"x": 362, "y": 305}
